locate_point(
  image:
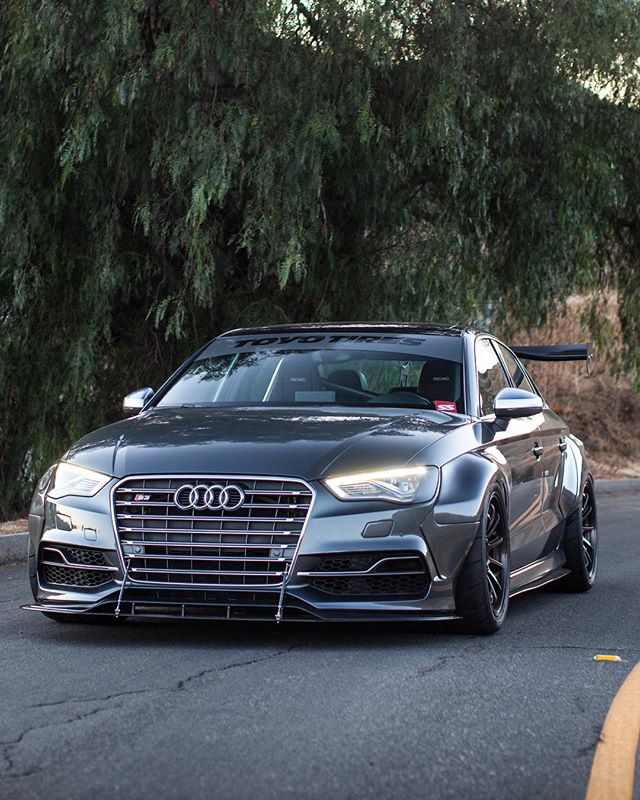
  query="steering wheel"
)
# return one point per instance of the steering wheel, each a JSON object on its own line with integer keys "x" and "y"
{"x": 403, "y": 398}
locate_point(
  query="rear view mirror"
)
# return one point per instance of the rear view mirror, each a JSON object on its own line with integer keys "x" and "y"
{"x": 134, "y": 402}
{"x": 516, "y": 403}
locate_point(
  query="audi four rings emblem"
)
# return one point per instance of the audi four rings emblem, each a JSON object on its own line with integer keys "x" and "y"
{"x": 200, "y": 496}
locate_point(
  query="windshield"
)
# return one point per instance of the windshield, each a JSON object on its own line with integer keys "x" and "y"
{"x": 247, "y": 372}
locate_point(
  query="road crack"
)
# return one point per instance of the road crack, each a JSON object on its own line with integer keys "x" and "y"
{"x": 179, "y": 686}
{"x": 184, "y": 683}
{"x": 8, "y": 748}
{"x": 443, "y": 660}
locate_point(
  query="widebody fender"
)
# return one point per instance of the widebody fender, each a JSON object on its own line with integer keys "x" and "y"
{"x": 452, "y": 528}
{"x": 575, "y": 473}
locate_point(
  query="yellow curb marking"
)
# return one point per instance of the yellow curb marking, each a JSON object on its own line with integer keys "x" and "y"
{"x": 614, "y": 763}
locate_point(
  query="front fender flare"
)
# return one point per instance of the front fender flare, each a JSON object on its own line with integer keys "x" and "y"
{"x": 451, "y": 529}
{"x": 463, "y": 487}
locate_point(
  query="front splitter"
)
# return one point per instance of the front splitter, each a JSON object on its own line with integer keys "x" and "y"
{"x": 296, "y": 611}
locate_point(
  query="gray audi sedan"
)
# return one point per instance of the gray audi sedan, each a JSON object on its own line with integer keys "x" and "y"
{"x": 322, "y": 472}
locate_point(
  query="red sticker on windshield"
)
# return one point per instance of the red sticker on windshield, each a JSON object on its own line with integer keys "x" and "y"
{"x": 445, "y": 405}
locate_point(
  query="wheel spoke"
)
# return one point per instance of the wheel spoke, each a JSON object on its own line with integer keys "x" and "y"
{"x": 492, "y": 523}
{"x": 494, "y": 583}
{"x": 589, "y": 532}
{"x": 495, "y": 555}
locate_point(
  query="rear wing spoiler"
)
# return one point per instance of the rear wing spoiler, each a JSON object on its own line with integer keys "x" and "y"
{"x": 556, "y": 352}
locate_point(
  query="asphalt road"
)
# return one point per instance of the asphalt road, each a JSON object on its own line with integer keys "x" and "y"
{"x": 167, "y": 710}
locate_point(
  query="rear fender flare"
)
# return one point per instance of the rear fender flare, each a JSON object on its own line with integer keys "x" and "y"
{"x": 574, "y": 476}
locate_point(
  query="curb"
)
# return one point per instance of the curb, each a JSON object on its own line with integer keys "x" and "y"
{"x": 13, "y": 547}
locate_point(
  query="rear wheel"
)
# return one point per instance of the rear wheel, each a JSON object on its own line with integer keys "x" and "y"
{"x": 482, "y": 594}
{"x": 581, "y": 542}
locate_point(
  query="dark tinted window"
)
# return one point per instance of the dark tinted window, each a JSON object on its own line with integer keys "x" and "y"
{"x": 427, "y": 375}
{"x": 516, "y": 370}
{"x": 491, "y": 375}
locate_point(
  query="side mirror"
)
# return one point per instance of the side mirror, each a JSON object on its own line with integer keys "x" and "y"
{"x": 516, "y": 403}
{"x": 134, "y": 403}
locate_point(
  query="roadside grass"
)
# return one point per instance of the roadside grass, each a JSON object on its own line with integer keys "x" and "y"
{"x": 13, "y": 526}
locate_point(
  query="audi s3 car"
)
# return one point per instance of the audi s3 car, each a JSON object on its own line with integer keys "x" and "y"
{"x": 322, "y": 472}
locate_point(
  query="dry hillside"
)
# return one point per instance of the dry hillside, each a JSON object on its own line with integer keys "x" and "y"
{"x": 601, "y": 408}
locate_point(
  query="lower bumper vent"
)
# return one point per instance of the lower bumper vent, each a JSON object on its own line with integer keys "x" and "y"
{"x": 66, "y": 576}
{"x": 393, "y": 575}
{"x": 61, "y": 565}
{"x": 374, "y": 585}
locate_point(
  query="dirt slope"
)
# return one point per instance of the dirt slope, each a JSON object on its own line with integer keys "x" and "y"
{"x": 601, "y": 408}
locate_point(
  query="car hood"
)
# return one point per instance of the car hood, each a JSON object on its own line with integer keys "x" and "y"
{"x": 290, "y": 442}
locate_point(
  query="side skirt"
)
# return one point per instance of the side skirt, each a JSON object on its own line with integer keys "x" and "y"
{"x": 539, "y": 573}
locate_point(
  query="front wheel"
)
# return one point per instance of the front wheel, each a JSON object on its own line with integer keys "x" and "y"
{"x": 581, "y": 542}
{"x": 482, "y": 594}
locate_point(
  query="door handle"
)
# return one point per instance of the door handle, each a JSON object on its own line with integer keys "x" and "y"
{"x": 537, "y": 450}
{"x": 562, "y": 445}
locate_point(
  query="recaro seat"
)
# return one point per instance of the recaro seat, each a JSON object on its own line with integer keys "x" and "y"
{"x": 349, "y": 379}
{"x": 440, "y": 379}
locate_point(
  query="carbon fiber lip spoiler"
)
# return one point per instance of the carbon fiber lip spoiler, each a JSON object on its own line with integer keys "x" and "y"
{"x": 222, "y": 612}
{"x": 556, "y": 352}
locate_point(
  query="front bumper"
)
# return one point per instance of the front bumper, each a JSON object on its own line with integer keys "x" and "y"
{"x": 334, "y": 530}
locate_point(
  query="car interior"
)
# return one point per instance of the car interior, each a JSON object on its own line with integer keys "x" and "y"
{"x": 322, "y": 377}
{"x": 439, "y": 381}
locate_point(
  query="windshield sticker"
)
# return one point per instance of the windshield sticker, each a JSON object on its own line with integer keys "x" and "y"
{"x": 337, "y": 338}
{"x": 445, "y": 405}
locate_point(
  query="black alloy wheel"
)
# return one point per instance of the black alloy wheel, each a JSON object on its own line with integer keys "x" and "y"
{"x": 497, "y": 557}
{"x": 482, "y": 591}
{"x": 581, "y": 542}
{"x": 589, "y": 532}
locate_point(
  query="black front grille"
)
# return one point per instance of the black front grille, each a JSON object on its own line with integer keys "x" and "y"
{"x": 67, "y": 576}
{"x": 248, "y": 546}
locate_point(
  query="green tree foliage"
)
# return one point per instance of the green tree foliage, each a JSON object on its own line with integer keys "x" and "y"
{"x": 171, "y": 168}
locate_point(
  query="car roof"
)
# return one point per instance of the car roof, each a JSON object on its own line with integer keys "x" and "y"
{"x": 356, "y": 327}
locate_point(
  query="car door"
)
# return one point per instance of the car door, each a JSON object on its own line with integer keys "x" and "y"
{"x": 518, "y": 441}
{"x": 552, "y": 432}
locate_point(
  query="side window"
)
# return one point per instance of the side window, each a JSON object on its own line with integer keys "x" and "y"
{"x": 491, "y": 375}
{"x": 516, "y": 370}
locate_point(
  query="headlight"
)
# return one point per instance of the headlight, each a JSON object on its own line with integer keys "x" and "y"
{"x": 75, "y": 480}
{"x": 397, "y": 485}
{"x": 45, "y": 480}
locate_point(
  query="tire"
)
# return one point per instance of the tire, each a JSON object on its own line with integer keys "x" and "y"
{"x": 482, "y": 592}
{"x": 581, "y": 542}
